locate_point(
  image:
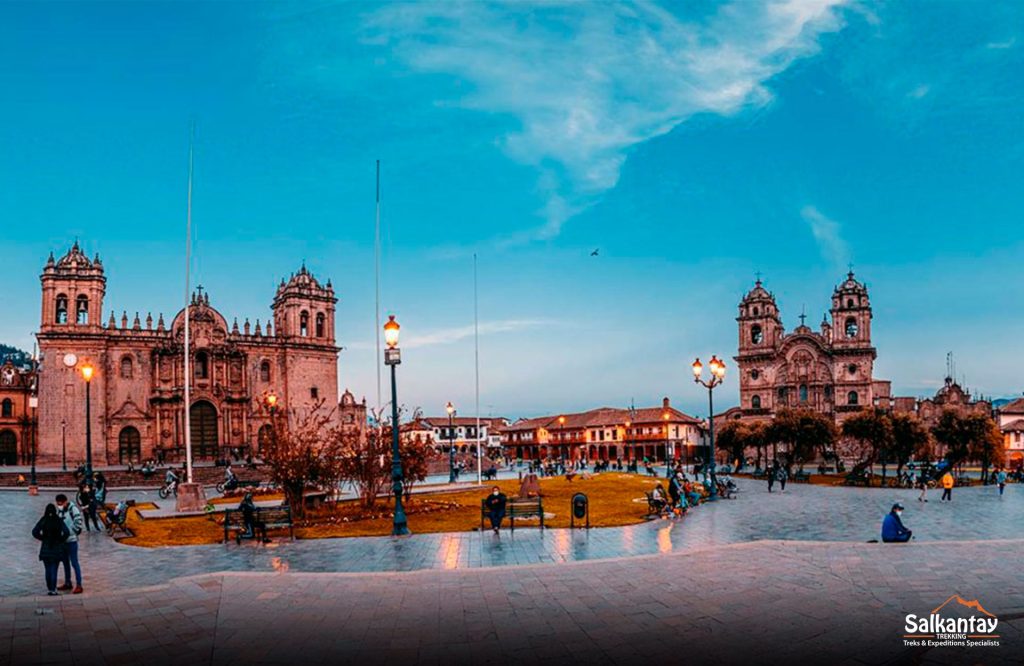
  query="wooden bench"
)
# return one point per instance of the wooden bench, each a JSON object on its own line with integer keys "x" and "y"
{"x": 271, "y": 516}
{"x": 802, "y": 477}
{"x": 855, "y": 479}
{"x": 516, "y": 507}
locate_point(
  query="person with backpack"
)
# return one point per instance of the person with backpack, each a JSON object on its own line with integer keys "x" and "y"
{"x": 73, "y": 519}
{"x": 781, "y": 475}
{"x": 51, "y": 532}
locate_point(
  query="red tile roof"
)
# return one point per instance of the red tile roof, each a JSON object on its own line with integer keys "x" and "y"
{"x": 603, "y": 417}
{"x": 442, "y": 421}
{"x": 1015, "y": 407}
{"x": 1014, "y": 426}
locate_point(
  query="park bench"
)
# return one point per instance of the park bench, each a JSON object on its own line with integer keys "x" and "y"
{"x": 759, "y": 473}
{"x": 516, "y": 507}
{"x": 271, "y": 516}
{"x": 802, "y": 477}
{"x": 655, "y": 507}
{"x": 855, "y": 478}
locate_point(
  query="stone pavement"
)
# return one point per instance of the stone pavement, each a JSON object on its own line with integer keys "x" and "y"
{"x": 766, "y": 602}
{"x": 805, "y": 513}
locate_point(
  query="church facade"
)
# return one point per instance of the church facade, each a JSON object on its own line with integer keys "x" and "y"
{"x": 136, "y": 394}
{"x": 830, "y": 371}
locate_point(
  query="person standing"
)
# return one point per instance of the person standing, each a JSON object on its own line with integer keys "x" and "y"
{"x": 72, "y": 517}
{"x": 772, "y": 473}
{"x": 1001, "y": 480}
{"x": 922, "y": 484}
{"x": 51, "y": 532}
{"x": 782, "y": 475}
{"x": 947, "y": 486}
{"x": 495, "y": 504}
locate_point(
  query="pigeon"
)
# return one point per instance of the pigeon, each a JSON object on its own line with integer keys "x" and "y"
{"x": 594, "y": 253}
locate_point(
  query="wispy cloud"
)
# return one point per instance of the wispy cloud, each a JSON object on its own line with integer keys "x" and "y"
{"x": 447, "y": 336}
{"x": 827, "y": 234}
{"x": 919, "y": 91}
{"x": 1007, "y": 44}
{"x": 587, "y": 82}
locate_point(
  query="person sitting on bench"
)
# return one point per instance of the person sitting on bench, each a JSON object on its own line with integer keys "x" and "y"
{"x": 893, "y": 530}
{"x": 495, "y": 504}
{"x": 248, "y": 509}
{"x": 659, "y": 499}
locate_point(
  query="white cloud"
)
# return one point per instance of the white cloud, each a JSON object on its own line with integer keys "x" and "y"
{"x": 827, "y": 235}
{"x": 447, "y": 336}
{"x": 1007, "y": 44}
{"x": 587, "y": 82}
{"x": 919, "y": 91}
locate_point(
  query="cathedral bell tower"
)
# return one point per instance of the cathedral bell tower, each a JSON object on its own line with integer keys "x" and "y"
{"x": 303, "y": 308}
{"x": 854, "y": 356}
{"x": 73, "y": 290}
{"x": 761, "y": 334}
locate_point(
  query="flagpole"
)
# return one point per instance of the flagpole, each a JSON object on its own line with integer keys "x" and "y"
{"x": 476, "y": 364}
{"x": 188, "y": 350}
{"x": 376, "y": 272}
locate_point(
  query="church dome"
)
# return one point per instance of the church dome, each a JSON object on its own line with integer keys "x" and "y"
{"x": 757, "y": 295}
{"x": 851, "y": 286}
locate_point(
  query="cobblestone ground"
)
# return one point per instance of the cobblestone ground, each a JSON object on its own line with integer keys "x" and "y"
{"x": 706, "y": 593}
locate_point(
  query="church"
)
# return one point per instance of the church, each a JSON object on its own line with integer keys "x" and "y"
{"x": 829, "y": 370}
{"x": 136, "y": 391}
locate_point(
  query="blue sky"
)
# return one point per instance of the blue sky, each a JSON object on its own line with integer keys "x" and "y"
{"x": 693, "y": 144}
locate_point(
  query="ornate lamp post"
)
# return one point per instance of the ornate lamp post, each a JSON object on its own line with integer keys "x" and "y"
{"x": 561, "y": 439}
{"x": 629, "y": 454}
{"x": 717, "y": 368}
{"x": 450, "y": 408}
{"x": 393, "y": 357}
{"x": 668, "y": 448}
{"x": 33, "y": 403}
{"x": 87, "y": 372}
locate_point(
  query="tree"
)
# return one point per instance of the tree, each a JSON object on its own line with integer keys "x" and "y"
{"x": 910, "y": 439}
{"x": 732, "y": 438}
{"x": 416, "y": 455}
{"x": 303, "y": 451}
{"x": 365, "y": 462}
{"x": 986, "y": 444}
{"x": 953, "y": 432}
{"x": 872, "y": 429}
{"x": 807, "y": 434}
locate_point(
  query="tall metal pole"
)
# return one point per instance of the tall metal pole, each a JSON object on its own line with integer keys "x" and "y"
{"x": 451, "y": 450}
{"x": 34, "y": 403}
{"x": 710, "y": 466}
{"x": 376, "y": 274}
{"x": 476, "y": 363}
{"x": 668, "y": 454}
{"x": 188, "y": 349}
{"x": 401, "y": 525}
{"x": 63, "y": 445}
{"x": 88, "y": 432}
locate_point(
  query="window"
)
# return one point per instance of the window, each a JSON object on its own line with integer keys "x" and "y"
{"x": 755, "y": 402}
{"x": 265, "y": 371}
{"x": 851, "y": 398}
{"x": 754, "y": 374}
{"x": 756, "y": 311}
{"x": 851, "y": 327}
{"x": 852, "y": 368}
{"x": 304, "y": 324}
{"x": 82, "y": 310}
{"x": 783, "y": 394}
{"x": 828, "y": 392}
{"x": 319, "y": 324}
{"x": 62, "y": 309}
{"x": 264, "y": 436}
{"x": 314, "y": 393}
{"x": 202, "y": 365}
{"x": 7, "y": 408}
{"x": 803, "y": 393}
{"x": 126, "y": 367}
{"x": 756, "y": 335}
{"x": 849, "y": 302}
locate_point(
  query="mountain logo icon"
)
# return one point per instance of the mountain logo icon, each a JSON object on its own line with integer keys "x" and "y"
{"x": 973, "y": 604}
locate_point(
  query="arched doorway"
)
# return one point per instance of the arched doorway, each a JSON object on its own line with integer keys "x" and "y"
{"x": 263, "y": 437}
{"x": 203, "y": 418}
{"x": 129, "y": 445}
{"x": 8, "y": 448}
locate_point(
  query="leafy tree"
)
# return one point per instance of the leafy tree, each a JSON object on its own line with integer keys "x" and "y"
{"x": 736, "y": 437}
{"x": 910, "y": 439}
{"x": 955, "y": 433}
{"x": 872, "y": 429}
{"x": 986, "y": 444}
{"x": 806, "y": 433}
{"x": 366, "y": 462}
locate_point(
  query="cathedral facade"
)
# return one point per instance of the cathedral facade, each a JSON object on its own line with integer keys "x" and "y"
{"x": 829, "y": 370}
{"x": 136, "y": 394}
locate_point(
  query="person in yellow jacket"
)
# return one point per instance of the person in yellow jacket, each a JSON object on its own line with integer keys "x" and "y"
{"x": 947, "y": 486}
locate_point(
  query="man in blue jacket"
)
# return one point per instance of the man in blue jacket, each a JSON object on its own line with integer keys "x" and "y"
{"x": 893, "y": 530}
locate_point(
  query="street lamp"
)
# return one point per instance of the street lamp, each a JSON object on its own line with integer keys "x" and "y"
{"x": 450, "y": 408}
{"x": 717, "y": 368}
{"x": 392, "y": 357}
{"x": 87, "y": 373}
{"x": 629, "y": 453}
{"x": 63, "y": 445}
{"x": 561, "y": 439}
{"x": 668, "y": 447}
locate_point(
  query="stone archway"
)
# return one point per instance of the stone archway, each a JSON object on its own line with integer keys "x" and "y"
{"x": 129, "y": 445}
{"x": 204, "y": 427}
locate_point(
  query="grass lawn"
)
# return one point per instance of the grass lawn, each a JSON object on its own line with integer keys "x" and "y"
{"x": 615, "y": 499}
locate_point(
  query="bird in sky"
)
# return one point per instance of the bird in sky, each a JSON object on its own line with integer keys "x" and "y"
{"x": 594, "y": 253}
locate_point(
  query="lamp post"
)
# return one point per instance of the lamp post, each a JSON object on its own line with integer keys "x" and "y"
{"x": 392, "y": 357}
{"x": 63, "y": 445}
{"x": 450, "y": 408}
{"x": 717, "y": 368}
{"x": 668, "y": 448}
{"x": 33, "y": 403}
{"x": 561, "y": 439}
{"x": 87, "y": 373}
{"x": 629, "y": 453}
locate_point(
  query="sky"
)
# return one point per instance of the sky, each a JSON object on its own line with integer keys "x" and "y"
{"x": 692, "y": 145}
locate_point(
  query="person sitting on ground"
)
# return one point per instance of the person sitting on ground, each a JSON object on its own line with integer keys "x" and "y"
{"x": 252, "y": 526}
{"x": 893, "y": 530}
{"x": 495, "y": 504}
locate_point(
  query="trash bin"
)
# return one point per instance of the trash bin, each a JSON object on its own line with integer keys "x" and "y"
{"x": 580, "y": 511}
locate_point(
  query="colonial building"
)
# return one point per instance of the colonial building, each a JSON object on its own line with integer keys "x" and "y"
{"x": 607, "y": 433}
{"x": 137, "y": 389}
{"x": 17, "y": 417}
{"x": 1011, "y": 423}
{"x": 829, "y": 370}
{"x": 463, "y": 433}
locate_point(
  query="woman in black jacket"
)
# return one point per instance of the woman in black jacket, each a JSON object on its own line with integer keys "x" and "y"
{"x": 52, "y": 532}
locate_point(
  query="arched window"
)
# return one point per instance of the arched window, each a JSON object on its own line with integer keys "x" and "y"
{"x": 82, "y": 310}
{"x": 202, "y": 365}
{"x": 265, "y": 371}
{"x": 757, "y": 311}
{"x": 320, "y": 324}
{"x": 304, "y": 324}
{"x": 264, "y": 436}
{"x": 803, "y": 393}
{"x": 8, "y": 447}
{"x": 62, "y": 309}
{"x": 755, "y": 402}
{"x": 851, "y": 327}
{"x": 203, "y": 422}
{"x": 129, "y": 445}
{"x": 851, "y": 398}
{"x": 7, "y": 408}
{"x": 756, "y": 334}
{"x": 126, "y": 367}
{"x": 849, "y": 302}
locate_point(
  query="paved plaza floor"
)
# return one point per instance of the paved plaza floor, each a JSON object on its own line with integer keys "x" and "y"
{"x": 776, "y": 577}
